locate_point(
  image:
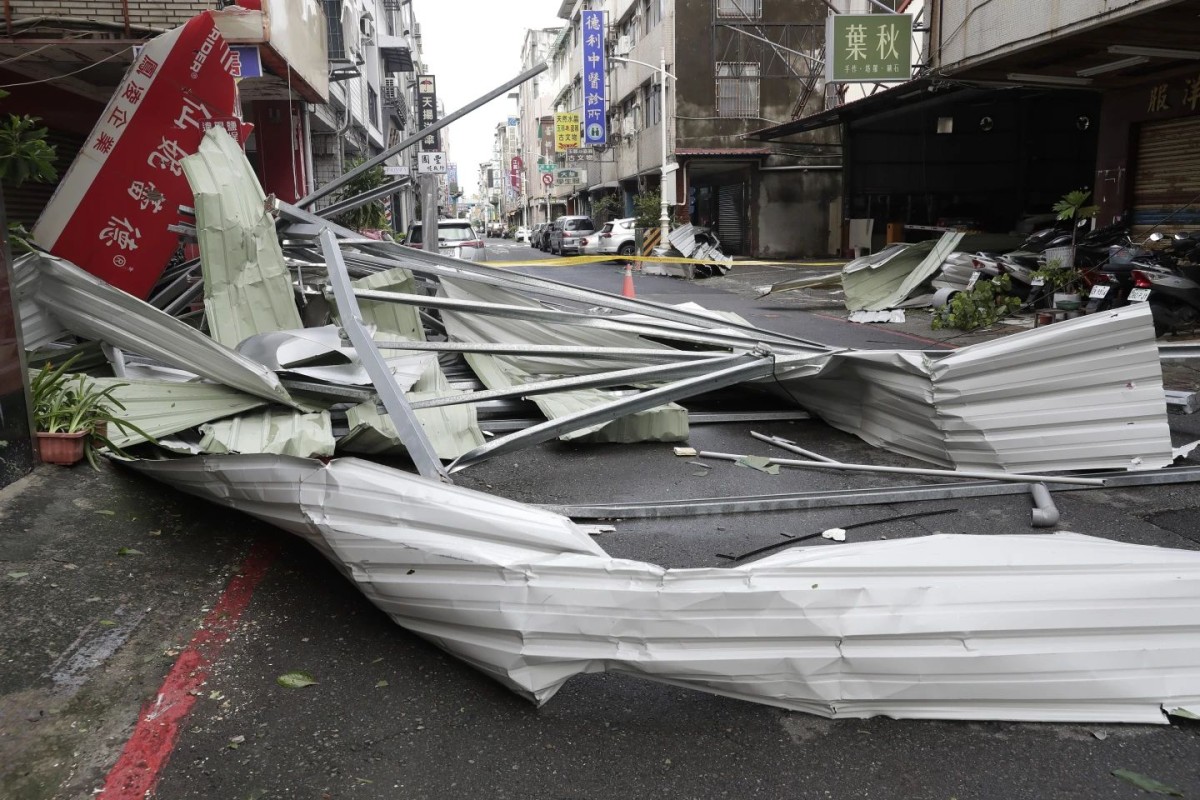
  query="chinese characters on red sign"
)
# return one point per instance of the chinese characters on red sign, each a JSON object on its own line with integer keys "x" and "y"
{"x": 111, "y": 213}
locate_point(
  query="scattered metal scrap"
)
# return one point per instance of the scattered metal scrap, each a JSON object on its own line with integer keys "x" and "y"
{"x": 1057, "y": 627}
{"x": 418, "y": 546}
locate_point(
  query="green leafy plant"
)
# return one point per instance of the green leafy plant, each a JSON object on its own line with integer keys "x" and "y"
{"x": 986, "y": 303}
{"x": 1058, "y": 278}
{"x": 1073, "y": 206}
{"x": 65, "y": 402}
{"x": 24, "y": 155}
{"x": 371, "y": 216}
{"x": 607, "y": 208}
{"x": 647, "y": 207}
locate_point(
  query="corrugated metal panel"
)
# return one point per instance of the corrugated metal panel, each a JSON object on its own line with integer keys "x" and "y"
{"x": 280, "y": 432}
{"x": 1081, "y": 394}
{"x": 875, "y": 285}
{"x": 247, "y": 286}
{"x": 667, "y": 423}
{"x": 1167, "y": 177}
{"x": 162, "y": 408}
{"x": 1041, "y": 628}
{"x": 93, "y": 309}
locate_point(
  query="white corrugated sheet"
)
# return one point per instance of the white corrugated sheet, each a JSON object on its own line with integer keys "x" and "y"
{"x": 1056, "y": 627}
{"x": 1082, "y": 394}
{"x": 247, "y": 288}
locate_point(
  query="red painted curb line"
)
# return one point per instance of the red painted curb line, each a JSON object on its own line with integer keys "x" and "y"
{"x": 142, "y": 760}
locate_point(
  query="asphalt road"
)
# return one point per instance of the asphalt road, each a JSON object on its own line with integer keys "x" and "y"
{"x": 391, "y": 716}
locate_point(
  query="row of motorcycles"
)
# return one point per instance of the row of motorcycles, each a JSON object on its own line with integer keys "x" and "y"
{"x": 1113, "y": 270}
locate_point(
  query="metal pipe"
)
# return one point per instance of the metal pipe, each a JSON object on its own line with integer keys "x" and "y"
{"x": 1044, "y": 513}
{"x": 371, "y": 163}
{"x": 359, "y": 200}
{"x": 620, "y": 377}
{"x": 564, "y": 351}
{"x": 787, "y": 444}
{"x": 845, "y": 498}
{"x": 412, "y": 435}
{"x": 651, "y": 398}
{"x": 125, "y": 17}
{"x": 1012, "y": 477}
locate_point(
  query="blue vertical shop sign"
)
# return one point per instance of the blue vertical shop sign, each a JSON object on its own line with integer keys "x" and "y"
{"x": 595, "y": 125}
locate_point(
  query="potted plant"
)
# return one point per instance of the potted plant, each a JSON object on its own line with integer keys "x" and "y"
{"x": 72, "y": 415}
{"x": 1062, "y": 283}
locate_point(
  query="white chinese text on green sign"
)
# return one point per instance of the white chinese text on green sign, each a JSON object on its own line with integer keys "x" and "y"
{"x": 872, "y": 48}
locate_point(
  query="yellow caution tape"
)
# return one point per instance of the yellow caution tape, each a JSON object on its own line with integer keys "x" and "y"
{"x": 573, "y": 261}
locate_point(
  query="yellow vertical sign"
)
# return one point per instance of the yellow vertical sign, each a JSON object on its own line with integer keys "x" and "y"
{"x": 566, "y": 132}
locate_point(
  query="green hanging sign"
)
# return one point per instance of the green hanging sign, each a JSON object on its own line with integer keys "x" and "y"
{"x": 868, "y": 48}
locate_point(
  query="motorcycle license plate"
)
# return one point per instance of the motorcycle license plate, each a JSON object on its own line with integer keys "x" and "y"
{"x": 1098, "y": 292}
{"x": 1139, "y": 295}
{"x": 974, "y": 280}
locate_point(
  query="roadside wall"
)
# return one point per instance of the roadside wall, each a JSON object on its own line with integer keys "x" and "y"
{"x": 791, "y": 211}
{"x": 144, "y": 13}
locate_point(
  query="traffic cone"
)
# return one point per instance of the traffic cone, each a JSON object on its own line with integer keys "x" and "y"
{"x": 627, "y": 286}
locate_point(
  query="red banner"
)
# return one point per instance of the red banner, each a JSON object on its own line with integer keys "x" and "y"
{"x": 111, "y": 211}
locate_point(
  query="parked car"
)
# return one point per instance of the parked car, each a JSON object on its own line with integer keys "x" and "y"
{"x": 617, "y": 237}
{"x": 456, "y": 238}
{"x": 566, "y": 233}
{"x": 522, "y": 234}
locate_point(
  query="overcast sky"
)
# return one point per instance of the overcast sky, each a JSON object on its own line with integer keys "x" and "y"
{"x": 473, "y": 46}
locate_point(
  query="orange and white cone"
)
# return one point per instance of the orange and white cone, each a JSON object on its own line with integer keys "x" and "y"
{"x": 627, "y": 286}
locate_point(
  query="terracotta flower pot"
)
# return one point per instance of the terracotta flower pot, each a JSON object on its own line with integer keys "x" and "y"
{"x": 61, "y": 448}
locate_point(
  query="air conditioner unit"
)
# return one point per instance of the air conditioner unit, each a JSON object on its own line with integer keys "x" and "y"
{"x": 623, "y": 46}
{"x": 366, "y": 26}
{"x": 391, "y": 90}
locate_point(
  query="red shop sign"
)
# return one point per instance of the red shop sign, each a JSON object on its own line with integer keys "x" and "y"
{"x": 111, "y": 211}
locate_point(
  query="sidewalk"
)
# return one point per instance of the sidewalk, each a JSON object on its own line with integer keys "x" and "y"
{"x": 105, "y": 576}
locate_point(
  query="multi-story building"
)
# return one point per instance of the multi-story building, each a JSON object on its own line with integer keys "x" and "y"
{"x": 747, "y": 64}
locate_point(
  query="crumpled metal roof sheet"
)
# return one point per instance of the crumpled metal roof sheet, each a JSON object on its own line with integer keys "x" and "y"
{"x": 288, "y": 433}
{"x": 666, "y": 423}
{"x": 247, "y": 287}
{"x": 1082, "y": 394}
{"x": 1057, "y": 627}
{"x": 453, "y": 430}
{"x": 91, "y": 308}
{"x": 874, "y": 284}
{"x": 161, "y": 408}
{"x": 38, "y": 326}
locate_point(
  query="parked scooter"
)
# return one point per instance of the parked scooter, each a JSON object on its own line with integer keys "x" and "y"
{"x": 1170, "y": 283}
{"x": 1113, "y": 280}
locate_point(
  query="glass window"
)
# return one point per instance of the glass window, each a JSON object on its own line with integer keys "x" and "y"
{"x": 737, "y": 89}
{"x": 739, "y": 8}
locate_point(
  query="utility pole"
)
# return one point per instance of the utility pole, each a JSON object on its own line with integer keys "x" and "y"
{"x": 429, "y": 213}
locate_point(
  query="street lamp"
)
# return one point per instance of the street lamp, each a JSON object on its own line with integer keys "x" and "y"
{"x": 664, "y": 220}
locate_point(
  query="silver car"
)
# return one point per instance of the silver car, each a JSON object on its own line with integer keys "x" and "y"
{"x": 456, "y": 238}
{"x": 617, "y": 237}
{"x": 566, "y": 233}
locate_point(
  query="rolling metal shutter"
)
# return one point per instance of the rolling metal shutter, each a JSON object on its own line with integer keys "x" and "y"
{"x": 1167, "y": 177}
{"x": 730, "y": 218}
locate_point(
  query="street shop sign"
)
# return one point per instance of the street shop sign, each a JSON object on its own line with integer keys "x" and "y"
{"x": 570, "y": 177}
{"x": 595, "y": 128}
{"x": 427, "y": 111}
{"x": 110, "y": 215}
{"x": 868, "y": 48}
{"x": 432, "y": 163}
{"x": 566, "y": 131}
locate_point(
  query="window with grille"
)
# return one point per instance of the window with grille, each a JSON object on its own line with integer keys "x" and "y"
{"x": 739, "y": 8}
{"x": 373, "y": 106}
{"x": 333, "y": 23}
{"x": 654, "y": 104}
{"x": 737, "y": 89}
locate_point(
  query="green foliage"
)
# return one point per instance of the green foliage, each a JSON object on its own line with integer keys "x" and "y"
{"x": 66, "y": 402}
{"x": 1057, "y": 278}
{"x": 647, "y": 207}
{"x": 985, "y": 304}
{"x": 24, "y": 152}
{"x": 607, "y": 208}
{"x": 370, "y": 216}
{"x": 1073, "y": 206}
